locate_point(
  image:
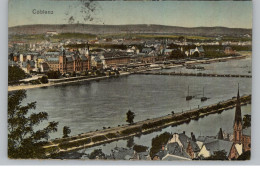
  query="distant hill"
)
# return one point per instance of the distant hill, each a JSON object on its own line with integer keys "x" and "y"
{"x": 136, "y": 29}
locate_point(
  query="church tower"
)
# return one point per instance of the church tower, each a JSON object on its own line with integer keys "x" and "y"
{"x": 237, "y": 138}
{"x": 88, "y": 55}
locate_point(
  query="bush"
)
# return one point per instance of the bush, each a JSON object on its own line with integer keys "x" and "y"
{"x": 111, "y": 135}
{"x": 140, "y": 148}
{"x": 44, "y": 80}
{"x": 131, "y": 130}
{"x": 98, "y": 138}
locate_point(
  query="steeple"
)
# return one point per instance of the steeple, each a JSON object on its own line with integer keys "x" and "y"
{"x": 220, "y": 134}
{"x": 238, "y": 116}
{"x": 237, "y": 138}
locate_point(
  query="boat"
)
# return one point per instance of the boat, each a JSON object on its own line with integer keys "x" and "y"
{"x": 203, "y": 98}
{"x": 188, "y": 97}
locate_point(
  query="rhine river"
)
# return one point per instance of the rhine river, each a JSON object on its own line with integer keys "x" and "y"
{"x": 88, "y": 106}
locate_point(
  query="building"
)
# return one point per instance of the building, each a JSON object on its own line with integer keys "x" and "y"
{"x": 96, "y": 62}
{"x": 199, "y": 50}
{"x": 241, "y": 137}
{"x": 179, "y": 147}
{"x": 53, "y": 63}
{"x": 74, "y": 62}
{"x": 44, "y": 67}
{"x": 246, "y": 139}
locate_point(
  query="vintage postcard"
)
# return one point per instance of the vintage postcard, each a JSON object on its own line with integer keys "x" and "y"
{"x": 129, "y": 80}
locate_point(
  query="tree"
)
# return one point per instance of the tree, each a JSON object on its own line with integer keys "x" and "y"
{"x": 130, "y": 142}
{"x": 15, "y": 73}
{"x": 245, "y": 156}
{"x": 140, "y": 148}
{"x": 53, "y": 74}
{"x": 130, "y": 117}
{"x": 44, "y": 79}
{"x": 181, "y": 38}
{"x": 24, "y": 140}
{"x": 158, "y": 141}
{"x": 246, "y": 121}
{"x": 66, "y": 131}
{"x": 177, "y": 54}
{"x": 97, "y": 154}
{"x": 196, "y": 54}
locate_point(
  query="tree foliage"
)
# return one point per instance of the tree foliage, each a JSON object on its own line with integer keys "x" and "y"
{"x": 245, "y": 156}
{"x": 66, "y": 131}
{"x": 97, "y": 154}
{"x": 25, "y": 139}
{"x": 15, "y": 73}
{"x": 196, "y": 54}
{"x": 177, "y": 54}
{"x": 130, "y": 117}
{"x": 158, "y": 141}
{"x": 44, "y": 79}
{"x": 246, "y": 121}
{"x": 53, "y": 74}
{"x": 140, "y": 148}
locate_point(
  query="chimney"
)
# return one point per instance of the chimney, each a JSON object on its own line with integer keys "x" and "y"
{"x": 193, "y": 138}
{"x": 183, "y": 132}
{"x": 163, "y": 147}
{"x": 191, "y": 134}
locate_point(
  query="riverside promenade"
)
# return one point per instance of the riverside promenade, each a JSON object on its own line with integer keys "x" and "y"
{"x": 95, "y": 138}
{"x": 195, "y": 74}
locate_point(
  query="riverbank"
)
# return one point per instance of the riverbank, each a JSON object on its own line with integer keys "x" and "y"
{"x": 95, "y": 138}
{"x": 63, "y": 81}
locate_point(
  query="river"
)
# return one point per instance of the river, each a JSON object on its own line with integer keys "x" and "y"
{"x": 87, "y": 106}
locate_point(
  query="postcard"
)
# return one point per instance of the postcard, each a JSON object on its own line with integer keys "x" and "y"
{"x": 129, "y": 80}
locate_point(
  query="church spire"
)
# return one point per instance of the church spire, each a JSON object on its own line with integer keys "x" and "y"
{"x": 238, "y": 116}
{"x": 238, "y": 121}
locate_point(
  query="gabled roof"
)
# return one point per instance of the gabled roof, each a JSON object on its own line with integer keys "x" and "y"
{"x": 122, "y": 153}
{"x": 218, "y": 145}
{"x": 161, "y": 154}
{"x": 175, "y": 149}
{"x": 239, "y": 148}
{"x": 200, "y": 48}
{"x": 206, "y": 139}
{"x": 185, "y": 141}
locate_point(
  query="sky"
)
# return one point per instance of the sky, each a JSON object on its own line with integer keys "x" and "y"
{"x": 235, "y": 14}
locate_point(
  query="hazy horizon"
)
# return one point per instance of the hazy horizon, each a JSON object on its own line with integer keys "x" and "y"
{"x": 130, "y": 24}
